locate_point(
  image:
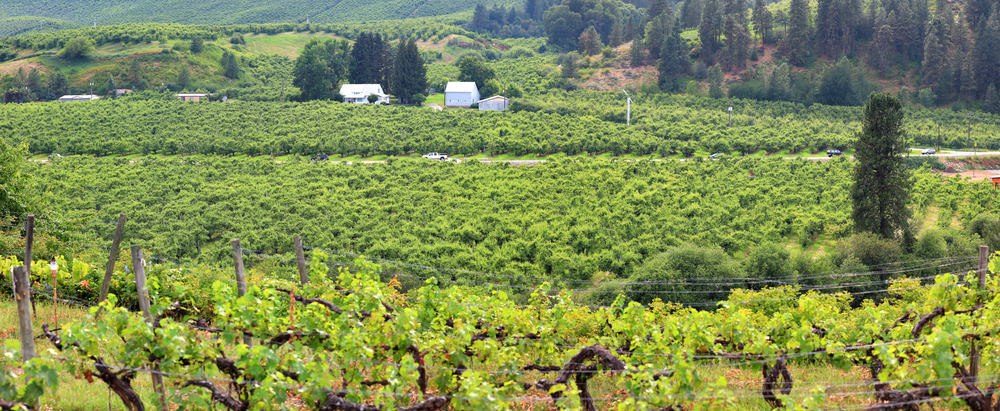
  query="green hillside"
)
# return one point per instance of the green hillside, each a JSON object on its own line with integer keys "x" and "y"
{"x": 232, "y": 12}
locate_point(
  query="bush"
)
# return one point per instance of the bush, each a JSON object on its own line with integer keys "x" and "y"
{"x": 869, "y": 249}
{"x": 767, "y": 261}
{"x": 518, "y": 52}
{"x": 930, "y": 244}
{"x": 683, "y": 267}
{"x": 927, "y": 97}
{"x": 687, "y": 149}
{"x": 77, "y": 48}
{"x": 987, "y": 226}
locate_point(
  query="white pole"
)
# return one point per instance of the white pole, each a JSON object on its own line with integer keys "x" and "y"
{"x": 628, "y": 108}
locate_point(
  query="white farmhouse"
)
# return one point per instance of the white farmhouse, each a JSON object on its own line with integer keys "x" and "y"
{"x": 358, "y": 93}
{"x": 461, "y": 94}
{"x": 495, "y": 103}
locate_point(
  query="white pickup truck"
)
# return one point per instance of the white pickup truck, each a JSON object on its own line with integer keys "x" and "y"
{"x": 435, "y": 156}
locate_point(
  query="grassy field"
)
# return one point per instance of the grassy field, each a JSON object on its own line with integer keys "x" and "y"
{"x": 285, "y": 44}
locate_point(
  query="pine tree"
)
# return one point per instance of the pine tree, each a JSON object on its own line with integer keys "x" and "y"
{"x": 691, "y": 13}
{"x": 197, "y": 44}
{"x": 230, "y": 66}
{"x": 636, "y": 54}
{"x": 657, "y": 8}
{"x": 183, "y": 79}
{"x": 969, "y": 83}
{"x": 991, "y": 103}
{"x": 657, "y": 31}
{"x": 738, "y": 10}
{"x": 617, "y": 36}
{"x": 737, "y": 44}
{"x": 670, "y": 67}
{"x": 480, "y": 18}
{"x": 934, "y": 59}
{"x": 715, "y": 82}
{"x": 762, "y": 21}
{"x": 590, "y": 42}
{"x": 710, "y": 29}
{"x": 986, "y": 53}
{"x": 797, "y": 35}
{"x": 881, "y": 190}
{"x": 112, "y": 86}
{"x": 410, "y": 75}
{"x": 58, "y": 84}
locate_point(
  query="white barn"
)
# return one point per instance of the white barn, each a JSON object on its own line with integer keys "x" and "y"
{"x": 495, "y": 103}
{"x": 461, "y": 94}
{"x": 358, "y": 93}
{"x": 83, "y": 97}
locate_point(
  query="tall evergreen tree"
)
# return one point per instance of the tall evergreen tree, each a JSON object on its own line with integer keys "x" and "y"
{"x": 34, "y": 81}
{"x": 671, "y": 63}
{"x": 969, "y": 84}
{"x": 715, "y": 82}
{"x": 991, "y": 103}
{"x": 589, "y": 43}
{"x": 230, "y": 66}
{"x": 617, "y": 36}
{"x": 836, "y": 25}
{"x": 691, "y": 13}
{"x": 986, "y": 53}
{"x": 657, "y": 31}
{"x": 710, "y": 30}
{"x": 797, "y": 36}
{"x": 737, "y": 44}
{"x": 410, "y": 75}
{"x": 371, "y": 60}
{"x": 480, "y": 18}
{"x": 183, "y": 78}
{"x": 197, "y": 44}
{"x": 58, "y": 84}
{"x": 762, "y": 21}
{"x": 934, "y": 61}
{"x": 320, "y": 68}
{"x": 881, "y": 190}
{"x": 111, "y": 85}
{"x": 738, "y": 10}
{"x": 636, "y": 53}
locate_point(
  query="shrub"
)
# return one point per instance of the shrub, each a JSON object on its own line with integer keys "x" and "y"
{"x": 869, "y": 249}
{"x": 675, "y": 266}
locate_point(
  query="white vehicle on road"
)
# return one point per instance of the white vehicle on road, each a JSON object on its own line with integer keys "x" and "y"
{"x": 435, "y": 156}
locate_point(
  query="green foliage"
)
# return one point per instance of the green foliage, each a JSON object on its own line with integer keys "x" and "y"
{"x": 320, "y": 68}
{"x": 410, "y": 76}
{"x": 14, "y": 183}
{"x": 927, "y": 98}
{"x": 564, "y": 23}
{"x": 668, "y": 272}
{"x": 881, "y": 190}
{"x": 475, "y": 70}
{"x": 987, "y": 227}
{"x": 869, "y": 249}
{"x": 197, "y": 44}
{"x": 843, "y": 84}
{"x": 77, "y": 48}
{"x": 768, "y": 261}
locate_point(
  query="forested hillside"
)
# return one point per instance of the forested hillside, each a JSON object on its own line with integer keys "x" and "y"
{"x": 230, "y": 12}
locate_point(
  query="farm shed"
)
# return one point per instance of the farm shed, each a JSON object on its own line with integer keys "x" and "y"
{"x": 191, "y": 96}
{"x": 495, "y": 103}
{"x": 83, "y": 97}
{"x": 461, "y": 94}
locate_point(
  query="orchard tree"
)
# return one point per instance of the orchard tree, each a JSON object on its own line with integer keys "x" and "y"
{"x": 881, "y": 191}
{"x": 197, "y": 44}
{"x": 77, "y": 49}
{"x": 13, "y": 180}
{"x": 184, "y": 78}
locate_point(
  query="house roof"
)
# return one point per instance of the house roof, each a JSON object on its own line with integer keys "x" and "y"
{"x": 191, "y": 94}
{"x": 360, "y": 90}
{"x": 461, "y": 87}
{"x": 79, "y": 97}
{"x": 494, "y": 98}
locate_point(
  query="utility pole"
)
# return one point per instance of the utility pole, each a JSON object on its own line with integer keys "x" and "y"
{"x": 730, "y": 116}
{"x": 628, "y": 108}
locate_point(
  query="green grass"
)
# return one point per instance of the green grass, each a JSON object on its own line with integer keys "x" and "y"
{"x": 288, "y": 44}
{"x": 435, "y": 99}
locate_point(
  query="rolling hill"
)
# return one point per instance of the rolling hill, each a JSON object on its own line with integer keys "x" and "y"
{"x": 217, "y": 12}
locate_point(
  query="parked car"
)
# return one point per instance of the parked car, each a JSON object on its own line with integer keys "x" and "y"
{"x": 831, "y": 153}
{"x": 55, "y": 155}
{"x": 929, "y": 151}
{"x": 319, "y": 157}
{"x": 716, "y": 155}
{"x": 435, "y": 156}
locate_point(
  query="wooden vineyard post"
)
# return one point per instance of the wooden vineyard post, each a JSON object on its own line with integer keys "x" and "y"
{"x": 110, "y": 268}
{"x": 140, "y": 286}
{"x": 29, "y": 238}
{"x": 241, "y": 284}
{"x": 984, "y": 258}
{"x": 22, "y": 286}
{"x": 300, "y": 257}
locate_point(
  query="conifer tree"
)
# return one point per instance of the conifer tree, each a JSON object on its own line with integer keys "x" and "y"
{"x": 410, "y": 75}
{"x": 112, "y": 86}
{"x": 710, "y": 30}
{"x": 738, "y": 10}
{"x": 715, "y": 82}
{"x": 636, "y": 54}
{"x": 197, "y": 45}
{"x": 986, "y": 53}
{"x": 991, "y": 103}
{"x": 183, "y": 78}
{"x": 797, "y": 35}
{"x": 691, "y": 13}
{"x": 762, "y": 21}
{"x": 671, "y": 67}
{"x": 617, "y": 36}
{"x": 589, "y": 43}
{"x": 934, "y": 60}
{"x": 881, "y": 190}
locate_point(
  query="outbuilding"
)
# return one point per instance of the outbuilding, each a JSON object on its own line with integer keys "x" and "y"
{"x": 83, "y": 97}
{"x": 191, "y": 96}
{"x": 358, "y": 93}
{"x": 495, "y": 103}
{"x": 461, "y": 94}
